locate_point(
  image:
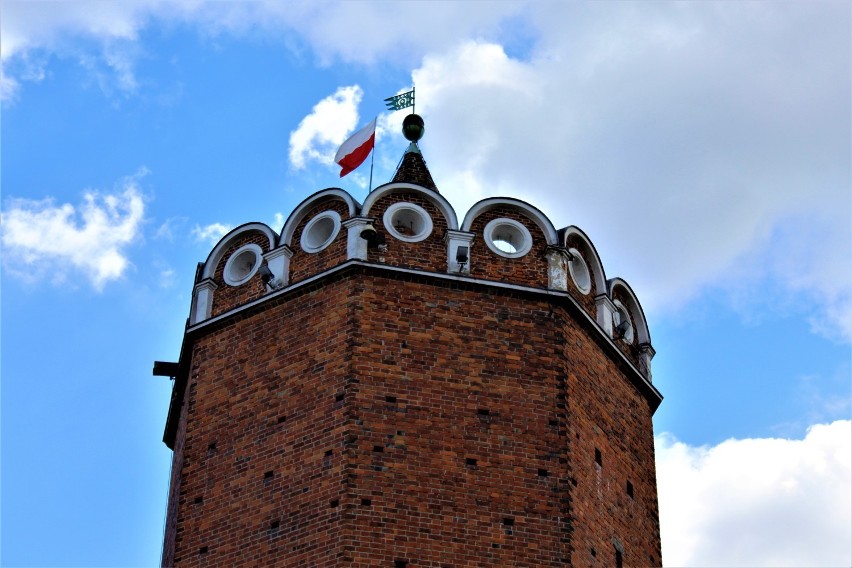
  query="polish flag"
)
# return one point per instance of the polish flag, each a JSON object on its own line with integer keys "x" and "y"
{"x": 355, "y": 150}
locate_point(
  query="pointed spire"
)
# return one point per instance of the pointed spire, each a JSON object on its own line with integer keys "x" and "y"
{"x": 412, "y": 168}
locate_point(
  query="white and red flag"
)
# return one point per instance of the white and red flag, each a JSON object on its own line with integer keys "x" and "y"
{"x": 357, "y": 147}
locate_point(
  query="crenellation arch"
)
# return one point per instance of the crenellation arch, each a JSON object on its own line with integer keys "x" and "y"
{"x": 529, "y": 211}
{"x": 215, "y": 256}
{"x": 573, "y": 234}
{"x": 298, "y": 214}
{"x": 438, "y": 200}
{"x": 619, "y": 287}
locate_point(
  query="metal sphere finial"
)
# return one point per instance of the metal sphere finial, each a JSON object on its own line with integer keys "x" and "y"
{"x": 413, "y": 127}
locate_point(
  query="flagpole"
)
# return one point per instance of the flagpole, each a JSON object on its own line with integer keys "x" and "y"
{"x": 372, "y": 157}
{"x": 413, "y": 100}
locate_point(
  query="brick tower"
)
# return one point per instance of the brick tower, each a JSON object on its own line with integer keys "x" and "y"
{"x": 381, "y": 385}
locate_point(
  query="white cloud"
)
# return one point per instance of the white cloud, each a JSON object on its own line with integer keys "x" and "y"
{"x": 820, "y": 398}
{"x": 802, "y": 265}
{"x": 167, "y": 278}
{"x": 41, "y": 239}
{"x": 328, "y": 27}
{"x": 682, "y": 138}
{"x": 278, "y": 221}
{"x": 27, "y": 25}
{"x": 321, "y": 133}
{"x": 337, "y": 30}
{"x": 758, "y": 502}
{"x": 211, "y": 233}
{"x": 28, "y": 30}
{"x": 9, "y": 87}
{"x": 169, "y": 227}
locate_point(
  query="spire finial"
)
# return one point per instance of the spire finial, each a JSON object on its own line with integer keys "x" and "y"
{"x": 413, "y": 128}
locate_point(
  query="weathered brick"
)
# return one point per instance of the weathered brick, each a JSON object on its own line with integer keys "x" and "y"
{"x": 385, "y": 418}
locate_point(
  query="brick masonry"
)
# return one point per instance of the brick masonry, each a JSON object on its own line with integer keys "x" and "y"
{"x": 428, "y": 254}
{"x": 230, "y": 296}
{"x": 394, "y": 418}
{"x": 304, "y": 264}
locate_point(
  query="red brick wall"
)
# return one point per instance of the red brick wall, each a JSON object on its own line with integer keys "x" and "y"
{"x": 605, "y": 413}
{"x": 262, "y": 393}
{"x": 529, "y": 270}
{"x": 226, "y": 297}
{"x": 377, "y": 391}
{"x": 472, "y": 376}
{"x": 170, "y": 530}
{"x": 304, "y": 264}
{"x": 428, "y": 254}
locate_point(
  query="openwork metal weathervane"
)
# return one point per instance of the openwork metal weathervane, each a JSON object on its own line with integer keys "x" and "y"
{"x": 401, "y": 101}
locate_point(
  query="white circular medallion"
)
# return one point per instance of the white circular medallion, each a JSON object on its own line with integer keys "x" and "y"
{"x": 507, "y": 237}
{"x": 242, "y": 264}
{"x": 320, "y": 231}
{"x": 407, "y": 222}
{"x": 579, "y": 272}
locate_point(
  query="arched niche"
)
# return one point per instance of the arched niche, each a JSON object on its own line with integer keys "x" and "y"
{"x": 308, "y": 204}
{"x": 573, "y": 236}
{"x": 517, "y": 205}
{"x": 617, "y": 287}
{"x": 432, "y": 196}
{"x": 222, "y": 246}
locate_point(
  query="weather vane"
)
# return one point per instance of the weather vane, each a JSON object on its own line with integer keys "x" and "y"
{"x": 401, "y": 101}
{"x": 412, "y": 126}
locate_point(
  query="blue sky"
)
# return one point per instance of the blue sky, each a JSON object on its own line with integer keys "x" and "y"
{"x": 703, "y": 147}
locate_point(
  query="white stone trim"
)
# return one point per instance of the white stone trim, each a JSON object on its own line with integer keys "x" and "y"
{"x": 522, "y": 207}
{"x": 310, "y": 234}
{"x": 278, "y": 261}
{"x": 647, "y": 352}
{"x": 623, "y": 314}
{"x": 436, "y": 198}
{"x": 507, "y": 230}
{"x": 219, "y": 250}
{"x": 202, "y": 301}
{"x": 590, "y": 256}
{"x": 235, "y": 275}
{"x": 356, "y": 247}
{"x": 456, "y": 239}
{"x": 564, "y": 296}
{"x": 634, "y": 308}
{"x": 415, "y": 214}
{"x": 557, "y": 269}
{"x": 302, "y": 209}
{"x": 605, "y": 313}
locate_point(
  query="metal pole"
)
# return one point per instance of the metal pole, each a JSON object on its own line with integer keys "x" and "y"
{"x": 372, "y": 157}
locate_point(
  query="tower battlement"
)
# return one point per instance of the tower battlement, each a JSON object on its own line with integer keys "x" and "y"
{"x": 379, "y": 384}
{"x": 509, "y": 243}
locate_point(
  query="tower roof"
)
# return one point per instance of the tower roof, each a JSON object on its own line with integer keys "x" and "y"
{"x": 412, "y": 169}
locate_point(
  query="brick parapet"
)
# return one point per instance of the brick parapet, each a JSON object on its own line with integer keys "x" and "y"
{"x": 435, "y": 253}
{"x": 529, "y": 270}
{"x": 428, "y": 254}
{"x": 226, "y": 297}
{"x": 305, "y": 264}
